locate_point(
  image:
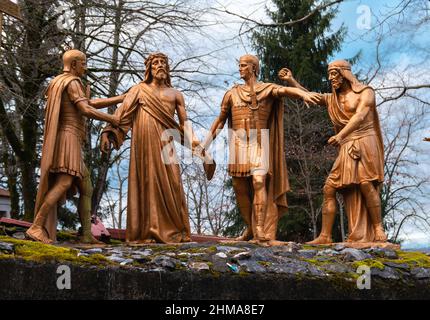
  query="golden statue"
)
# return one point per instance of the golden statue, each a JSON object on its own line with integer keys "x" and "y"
{"x": 358, "y": 171}
{"x": 156, "y": 210}
{"x": 62, "y": 168}
{"x": 256, "y": 158}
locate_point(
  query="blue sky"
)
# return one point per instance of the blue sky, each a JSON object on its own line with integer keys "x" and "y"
{"x": 396, "y": 51}
{"x": 400, "y": 52}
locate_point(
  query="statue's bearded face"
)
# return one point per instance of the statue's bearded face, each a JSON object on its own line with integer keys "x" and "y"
{"x": 335, "y": 78}
{"x": 246, "y": 69}
{"x": 159, "y": 68}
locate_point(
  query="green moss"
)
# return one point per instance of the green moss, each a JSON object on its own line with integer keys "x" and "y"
{"x": 36, "y": 251}
{"x": 371, "y": 263}
{"x": 179, "y": 266}
{"x": 194, "y": 250}
{"x": 215, "y": 274}
{"x": 413, "y": 259}
{"x": 264, "y": 263}
{"x": 318, "y": 262}
{"x": 243, "y": 273}
{"x": 160, "y": 248}
{"x": 67, "y": 236}
{"x": 211, "y": 249}
{"x": 315, "y": 247}
{"x": 115, "y": 242}
{"x": 6, "y": 256}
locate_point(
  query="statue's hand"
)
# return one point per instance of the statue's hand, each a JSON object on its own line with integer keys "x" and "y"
{"x": 198, "y": 149}
{"x": 311, "y": 98}
{"x": 285, "y": 74}
{"x": 115, "y": 120}
{"x": 335, "y": 140}
{"x": 105, "y": 144}
{"x": 427, "y": 139}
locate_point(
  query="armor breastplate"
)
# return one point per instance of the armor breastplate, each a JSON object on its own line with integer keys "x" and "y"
{"x": 71, "y": 119}
{"x": 242, "y": 115}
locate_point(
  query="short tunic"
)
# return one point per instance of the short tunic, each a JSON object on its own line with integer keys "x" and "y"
{"x": 249, "y": 141}
{"x": 71, "y": 134}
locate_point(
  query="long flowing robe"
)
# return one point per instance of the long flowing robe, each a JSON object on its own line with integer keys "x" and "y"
{"x": 277, "y": 175}
{"x": 360, "y": 159}
{"x": 156, "y": 206}
{"x": 50, "y": 146}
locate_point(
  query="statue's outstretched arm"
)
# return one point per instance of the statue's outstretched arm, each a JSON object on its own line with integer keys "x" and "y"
{"x": 106, "y": 102}
{"x": 220, "y": 121}
{"x": 286, "y": 75}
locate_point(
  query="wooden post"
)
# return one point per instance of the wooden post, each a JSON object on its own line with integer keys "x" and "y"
{"x": 11, "y": 9}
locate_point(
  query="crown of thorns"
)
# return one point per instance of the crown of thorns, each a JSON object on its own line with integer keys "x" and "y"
{"x": 152, "y": 56}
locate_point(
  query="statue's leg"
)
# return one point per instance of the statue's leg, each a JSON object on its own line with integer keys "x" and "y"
{"x": 373, "y": 204}
{"x": 37, "y": 231}
{"x": 84, "y": 209}
{"x": 242, "y": 190}
{"x": 260, "y": 204}
{"x": 328, "y": 215}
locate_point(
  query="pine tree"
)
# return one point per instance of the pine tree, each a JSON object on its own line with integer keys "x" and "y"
{"x": 305, "y": 48}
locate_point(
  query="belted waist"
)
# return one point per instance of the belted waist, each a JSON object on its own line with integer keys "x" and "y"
{"x": 77, "y": 131}
{"x": 365, "y": 132}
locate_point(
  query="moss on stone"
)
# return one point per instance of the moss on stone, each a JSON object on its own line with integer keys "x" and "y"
{"x": 320, "y": 263}
{"x": 39, "y": 252}
{"x": 115, "y": 242}
{"x": 159, "y": 248}
{"x": 242, "y": 273}
{"x": 315, "y": 247}
{"x": 371, "y": 263}
{"x": 413, "y": 259}
{"x": 211, "y": 249}
{"x": 67, "y": 236}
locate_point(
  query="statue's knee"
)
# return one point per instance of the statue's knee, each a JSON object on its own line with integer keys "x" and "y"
{"x": 329, "y": 192}
{"x": 65, "y": 183}
{"x": 258, "y": 182}
{"x": 371, "y": 194}
{"x": 366, "y": 186}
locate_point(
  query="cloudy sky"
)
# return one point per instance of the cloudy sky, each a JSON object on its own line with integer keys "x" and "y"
{"x": 401, "y": 53}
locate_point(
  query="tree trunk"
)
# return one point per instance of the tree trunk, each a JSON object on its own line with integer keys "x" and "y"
{"x": 113, "y": 86}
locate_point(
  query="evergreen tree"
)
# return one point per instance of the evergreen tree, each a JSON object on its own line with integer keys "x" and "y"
{"x": 305, "y": 48}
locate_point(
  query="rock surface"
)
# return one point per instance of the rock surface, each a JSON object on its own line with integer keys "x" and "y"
{"x": 211, "y": 271}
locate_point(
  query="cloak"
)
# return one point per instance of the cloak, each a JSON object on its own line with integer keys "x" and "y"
{"x": 54, "y": 93}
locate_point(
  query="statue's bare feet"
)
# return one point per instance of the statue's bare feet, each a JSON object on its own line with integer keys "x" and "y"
{"x": 186, "y": 238}
{"x": 380, "y": 235}
{"x": 89, "y": 239}
{"x": 246, "y": 236}
{"x": 275, "y": 243}
{"x": 259, "y": 234}
{"x": 146, "y": 241}
{"x": 322, "y": 239}
{"x": 38, "y": 233}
